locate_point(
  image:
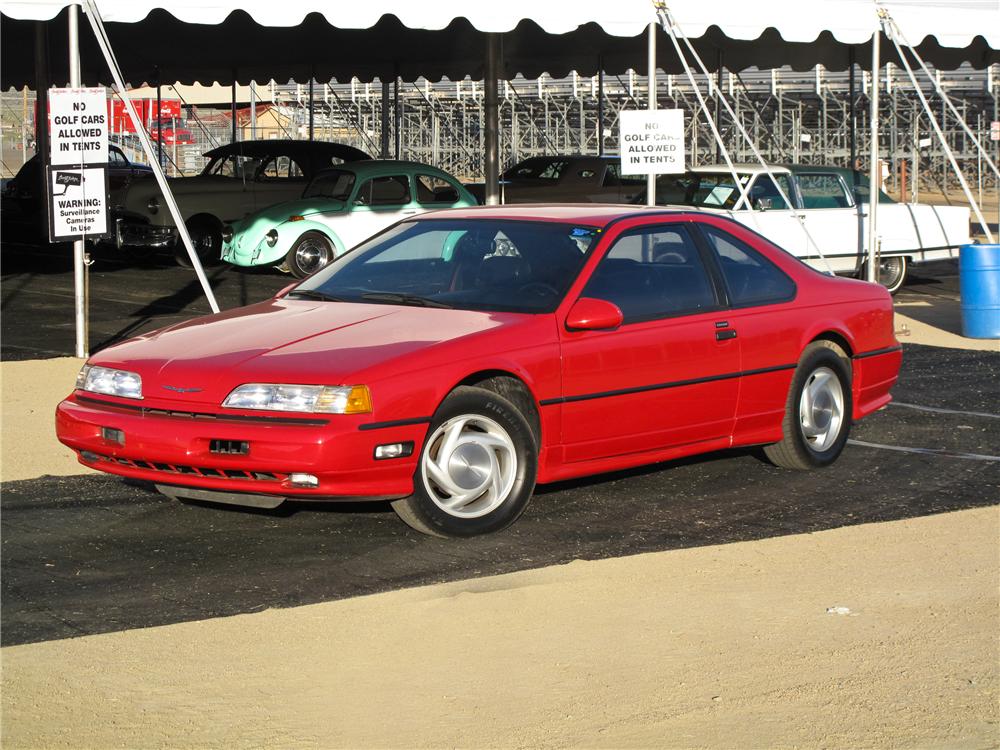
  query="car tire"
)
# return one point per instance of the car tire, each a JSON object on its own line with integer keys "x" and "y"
{"x": 891, "y": 272}
{"x": 206, "y": 236}
{"x": 311, "y": 252}
{"x": 818, "y": 411}
{"x": 476, "y": 470}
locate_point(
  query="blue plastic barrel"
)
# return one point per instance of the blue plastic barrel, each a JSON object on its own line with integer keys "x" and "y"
{"x": 979, "y": 280}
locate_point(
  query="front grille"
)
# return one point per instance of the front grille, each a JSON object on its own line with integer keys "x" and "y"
{"x": 195, "y": 471}
{"x": 229, "y": 447}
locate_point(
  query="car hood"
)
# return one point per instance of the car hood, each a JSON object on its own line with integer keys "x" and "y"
{"x": 279, "y": 212}
{"x": 289, "y": 341}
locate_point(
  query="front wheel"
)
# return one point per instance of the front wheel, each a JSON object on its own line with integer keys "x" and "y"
{"x": 891, "y": 272}
{"x": 311, "y": 252}
{"x": 476, "y": 470}
{"x": 206, "y": 236}
{"x": 818, "y": 411}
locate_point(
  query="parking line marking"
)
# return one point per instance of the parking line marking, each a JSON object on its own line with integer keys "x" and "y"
{"x": 926, "y": 451}
{"x": 939, "y": 410}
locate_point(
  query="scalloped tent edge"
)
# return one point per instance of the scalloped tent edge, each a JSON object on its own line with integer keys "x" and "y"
{"x": 221, "y": 41}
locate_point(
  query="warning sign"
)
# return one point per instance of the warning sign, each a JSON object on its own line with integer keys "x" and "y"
{"x": 652, "y": 141}
{"x": 79, "y": 208}
{"x": 78, "y": 126}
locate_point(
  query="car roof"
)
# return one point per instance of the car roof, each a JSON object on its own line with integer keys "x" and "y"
{"x": 751, "y": 167}
{"x": 591, "y": 214}
{"x": 304, "y": 150}
{"x": 376, "y": 167}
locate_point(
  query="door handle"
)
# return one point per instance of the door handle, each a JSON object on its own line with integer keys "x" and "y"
{"x": 729, "y": 333}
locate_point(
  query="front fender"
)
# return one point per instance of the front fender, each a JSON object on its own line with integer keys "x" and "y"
{"x": 288, "y": 234}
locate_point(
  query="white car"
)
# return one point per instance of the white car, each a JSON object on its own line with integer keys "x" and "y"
{"x": 827, "y": 225}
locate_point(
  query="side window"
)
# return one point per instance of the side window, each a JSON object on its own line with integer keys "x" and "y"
{"x": 435, "y": 190}
{"x": 116, "y": 158}
{"x": 763, "y": 193}
{"x": 655, "y": 272}
{"x": 393, "y": 190}
{"x": 823, "y": 191}
{"x": 280, "y": 168}
{"x": 750, "y": 277}
{"x": 613, "y": 176}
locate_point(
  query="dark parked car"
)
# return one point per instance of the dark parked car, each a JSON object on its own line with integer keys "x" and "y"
{"x": 24, "y": 211}
{"x": 566, "y": 179}
{"x": 240, "y": 178}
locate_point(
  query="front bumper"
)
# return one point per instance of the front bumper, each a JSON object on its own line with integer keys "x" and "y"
{"x": 176, "y": 448}
{"x": 137, "y": 233}
{"x": 241, "y": 252}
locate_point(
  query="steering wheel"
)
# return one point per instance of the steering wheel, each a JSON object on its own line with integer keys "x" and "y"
{"x": 538, "y": 289}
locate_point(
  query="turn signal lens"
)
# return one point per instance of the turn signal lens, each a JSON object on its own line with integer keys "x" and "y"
{"x": 296, "y": 218}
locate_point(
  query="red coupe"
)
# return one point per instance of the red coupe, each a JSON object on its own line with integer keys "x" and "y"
{"x": 457, "y": 358}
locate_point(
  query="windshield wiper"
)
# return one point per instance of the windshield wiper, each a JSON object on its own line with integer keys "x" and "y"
{"x": 314, "y": 294}
{"x": 403, "y": 299}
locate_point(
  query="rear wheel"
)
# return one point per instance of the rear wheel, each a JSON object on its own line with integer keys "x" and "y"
{"x": 311, "y": 252}
{"x": 477, "y": 468}
{"x": 818, "y": 411}
{"x": 891, "y": 272}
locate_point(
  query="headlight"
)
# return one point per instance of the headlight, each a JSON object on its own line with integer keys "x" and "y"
{"x": 327, "y": 399}
{"x": 110, "y": 382}
{"x": 153, "y": 205}
{"x": 271, "y": 238}
{"x": 227, "y": 233}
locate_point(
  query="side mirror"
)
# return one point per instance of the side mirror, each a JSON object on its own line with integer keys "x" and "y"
{"x": 286, "y": 290}
{"x": 590, "y": 314}
{"x": 764, "y": 204}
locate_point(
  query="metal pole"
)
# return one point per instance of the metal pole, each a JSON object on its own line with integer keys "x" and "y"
{"x": 159, "y": 120}
{"x": 397, "y": 118}
{"x": 651, "y": 105}
{"x": 600, "y": 106}
{"x": 492, "y": 143}
{"x": 853, "y": 119}
{"x": 253, "y": 110}
{"x": 312, "y": 76}
{"x": 232, "y": 110}
{"x": 874, "y": 170}
{"x": 385, "y": 120}
{"x": 79, "y": 256}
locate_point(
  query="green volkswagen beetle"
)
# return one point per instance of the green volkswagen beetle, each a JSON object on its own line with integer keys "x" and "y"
{"x": 339, "y": 208}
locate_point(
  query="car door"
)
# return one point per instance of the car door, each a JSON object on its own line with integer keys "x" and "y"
{"x": 834, "y": 222}
{"x": 377, "y": 202}
{"x": 665, "y": 377}
{"x": 770, "y": 215}
{"x": 760, "y": 315}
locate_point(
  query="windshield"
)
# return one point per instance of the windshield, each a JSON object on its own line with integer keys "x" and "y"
{"x": 537, "y": 168}
{"x": 710, "y": 189}
{"x": 336, "y": 184}
{"x": 488, "y": 264}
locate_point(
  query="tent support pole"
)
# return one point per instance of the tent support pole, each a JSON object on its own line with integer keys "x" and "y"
{"x": 79, "y": 259}
{"x": 492, "y": 142}
{"x": 600, "y": 105}
{"x": 651, "y": 104}
{"x": 853, "y": 118}
{"x": 97, "y": 25}
{"x": 385, "y": 119}
{"x": 874, "y": 171}
{"x": 159, "y": 117}
{"x": 232, "y": 110}
{"x": 312, "y": 77}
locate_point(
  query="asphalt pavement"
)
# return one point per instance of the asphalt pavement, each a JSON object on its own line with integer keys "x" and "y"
{"x": 93, "y": 554}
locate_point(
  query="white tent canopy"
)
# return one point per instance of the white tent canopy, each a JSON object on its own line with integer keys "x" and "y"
{"x": 219, "y": 40}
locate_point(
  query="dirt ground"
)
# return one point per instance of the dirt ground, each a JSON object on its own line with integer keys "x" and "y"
{"x": 881, "y": 635}
{"x": 868, "y": 636}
